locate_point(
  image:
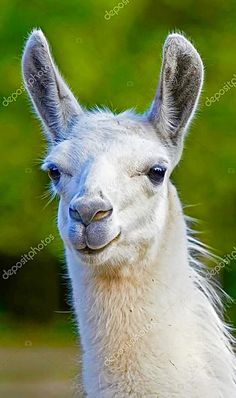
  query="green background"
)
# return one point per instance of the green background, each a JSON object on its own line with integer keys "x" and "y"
{"x": 114, "y": 63}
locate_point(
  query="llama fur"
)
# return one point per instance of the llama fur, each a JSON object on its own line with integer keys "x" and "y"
{"x": 149, "y": 320}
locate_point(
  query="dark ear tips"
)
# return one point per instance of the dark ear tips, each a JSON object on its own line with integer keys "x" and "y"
{"x": 37, "y": 38}
{"x": 52, "y": 99}
{"x": 35, "y": 42}
{"x": 178, "y": 90}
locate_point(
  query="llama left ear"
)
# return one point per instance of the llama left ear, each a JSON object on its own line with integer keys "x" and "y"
{"x": 178, "y": 90}
{"x": 52, "y": 99}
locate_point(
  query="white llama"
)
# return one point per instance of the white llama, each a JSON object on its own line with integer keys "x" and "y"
{"x": 149, "y": 321}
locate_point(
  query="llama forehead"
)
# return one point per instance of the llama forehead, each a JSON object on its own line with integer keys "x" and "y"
{"x": 121, "y": 139}
{"x": 106, "y": 126}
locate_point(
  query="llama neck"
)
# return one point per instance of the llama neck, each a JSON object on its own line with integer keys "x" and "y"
{"x": 130, "y": 286}
{"x": 147, "y": 324}
{"x": 136, "y": 301}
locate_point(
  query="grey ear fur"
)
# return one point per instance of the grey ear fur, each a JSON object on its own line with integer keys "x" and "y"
{"x": 178, "y": 90}
{"x": 53, "y": 101}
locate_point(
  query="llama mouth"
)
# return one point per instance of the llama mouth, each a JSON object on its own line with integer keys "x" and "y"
{"x": 91, "y": 252}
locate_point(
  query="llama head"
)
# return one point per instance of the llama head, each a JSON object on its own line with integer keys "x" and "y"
{"x": 112, "y": 171}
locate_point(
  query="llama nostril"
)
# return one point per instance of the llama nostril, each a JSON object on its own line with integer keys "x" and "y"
{"x": 101, "y": 214}
{"x": 85, "y": 209}
{"x": 74, "y": 214}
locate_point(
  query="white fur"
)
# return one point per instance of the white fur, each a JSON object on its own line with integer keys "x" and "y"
{"x": 186, "y": 353}
{"x": 147, "y": 316}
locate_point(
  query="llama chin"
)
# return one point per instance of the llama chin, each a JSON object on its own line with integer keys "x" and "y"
{"x": 147, "y": 315}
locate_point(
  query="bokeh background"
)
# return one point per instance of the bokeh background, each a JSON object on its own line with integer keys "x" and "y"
{"x": 113, "y": 62}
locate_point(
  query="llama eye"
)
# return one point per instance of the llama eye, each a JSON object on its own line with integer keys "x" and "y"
{"x": 156, "y": 174}
{"x": 54, "y": 174}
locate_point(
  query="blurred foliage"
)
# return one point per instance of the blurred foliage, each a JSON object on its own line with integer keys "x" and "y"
{"x": 115, "y": 63}
{"x": 57, "y": 333}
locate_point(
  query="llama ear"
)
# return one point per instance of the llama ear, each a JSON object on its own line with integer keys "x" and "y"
{"x": 178, "y": 90}
{"x": 52, "y": 99}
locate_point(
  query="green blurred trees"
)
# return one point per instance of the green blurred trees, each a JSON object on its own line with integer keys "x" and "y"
{"x": 116, "y": 63}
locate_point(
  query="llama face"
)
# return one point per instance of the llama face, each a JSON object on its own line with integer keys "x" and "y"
{"x": 117, "y": 166}
{"x": 112, "y": 171}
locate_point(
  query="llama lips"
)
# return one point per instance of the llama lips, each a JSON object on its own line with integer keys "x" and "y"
{"x": 99, "y": 234}
{"x": 95, "y": 236}
{"x": 88, "y": 251}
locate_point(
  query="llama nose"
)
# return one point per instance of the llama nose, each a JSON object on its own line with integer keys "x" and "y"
{"x": 86, "y": 210}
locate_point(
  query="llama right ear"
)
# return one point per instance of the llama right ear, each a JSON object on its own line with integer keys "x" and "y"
{"x": 178, "y": 90}
{"x": 53, "y": 101}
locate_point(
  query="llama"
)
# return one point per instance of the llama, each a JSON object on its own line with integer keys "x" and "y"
{"x": 149, "y": 320}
